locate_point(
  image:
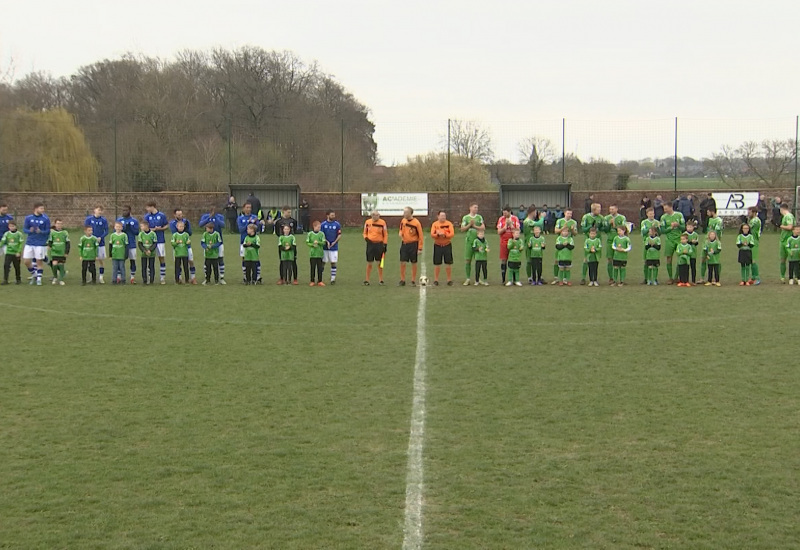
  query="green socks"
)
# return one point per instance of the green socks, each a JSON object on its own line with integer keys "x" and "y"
{"x": 514, "y": 275}
{"x": 703, "y": 269}
{"x": 669, "y": 269}
{"x": 585, "y": 270}
{"x": 754, "y": 269}
{"x": 783, "y": 270}
{"x": 62, "y": 272}
{"x": 610, "y": 269}
{"x": 469, "y": 269}
{"x": 529, "y": 268}
{"x": 567, "y": 274}
{"x": 556, "y": 271}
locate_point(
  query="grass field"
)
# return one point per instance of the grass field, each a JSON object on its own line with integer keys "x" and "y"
{"x": 278, "y": 417}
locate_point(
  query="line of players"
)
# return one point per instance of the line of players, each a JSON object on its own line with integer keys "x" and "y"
{"x": 39, "y": 244}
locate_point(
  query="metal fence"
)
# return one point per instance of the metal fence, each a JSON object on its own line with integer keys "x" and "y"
{"x": 41, "y": 153}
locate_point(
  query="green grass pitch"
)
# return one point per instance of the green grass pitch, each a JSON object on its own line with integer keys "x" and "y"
{"x": 278, "y": 417}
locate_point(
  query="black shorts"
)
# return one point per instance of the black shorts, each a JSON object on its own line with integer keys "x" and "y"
{"x": 564, "y": 263}
{"x": 620, "y": 263}
{"x": 442, "y": 253}
{"x": 514, "y": 265}
{"x": 409, "y": 252}
{"x": 745, "y": 256}
{"x": 653, "y": 263}
{"x": 374, "y": 252}
{"x": 59, "y": 259}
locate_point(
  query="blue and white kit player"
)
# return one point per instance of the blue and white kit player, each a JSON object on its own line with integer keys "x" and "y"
{"x": 333, "y": 232}
{"x": 173, "y": 228}
{"x": 247, "y": 217}
{"x": 219, "y": 225}
{"x": 130, "y": 226}
{"x": 37, "y": 231}
{"x": 158, "y": 223}
{"x": 99, "y": 227}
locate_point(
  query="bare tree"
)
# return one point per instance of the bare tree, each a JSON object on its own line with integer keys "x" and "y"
{"x": 471, "y": 140}
{"x": 727, "y": 165}
{"x": 769, "y": 160}
{"x": 537, "y": 152}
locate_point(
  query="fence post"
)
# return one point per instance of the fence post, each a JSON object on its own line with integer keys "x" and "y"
{"x": 230, "y": 157}
{"x": 796, "y": 140}
{"x": 448, "y": 165}
{"x": 675, "y": 166}
{"x": 116, "y": 172}
{"x": 341, "y": 170}
{"x": 563, "y": 150}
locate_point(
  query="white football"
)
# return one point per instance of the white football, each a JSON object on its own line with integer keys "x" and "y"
{"x": 423, "y": 281}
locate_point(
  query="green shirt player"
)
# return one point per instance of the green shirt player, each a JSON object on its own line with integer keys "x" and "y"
{"x": 611, "y": 224}
{"x": 572, "y": 228}
{"x": 535, "y": 246}
{"x": 694, "y": 241}
{"x": 715, "y": 222}
{"x": 12, "y": 243}
{"x": 672, "y": 226}
{"x": 793, "y": 252}
{"x": 755, "y": 230}
{"x": 592, "y": 253}
{"x": 118, "y": 246}
{"x": 480, "y": 253}
{"x": 644, "y": 229}
{"x": 87, "y": 249}
{"x": 622, "y": 245}
{"x": 684, "y": 253}
{"x": 470, "y": 224}
{"x": 652, "y": 255}
{"x": 711, "y": 252}
{"x": 592, "y": 219}
{"x": 787, "y": 224}
{"x": 59, "y": 249}
{"x": 516, "y": 246}
{"x": 528, "y": 224}
{"x": 565, "y": 244}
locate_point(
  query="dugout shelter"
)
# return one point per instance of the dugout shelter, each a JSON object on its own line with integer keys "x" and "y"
{"x": 270, "y": 194}
{"x": 551, "y": 194}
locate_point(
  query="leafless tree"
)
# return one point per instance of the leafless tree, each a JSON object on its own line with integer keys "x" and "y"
{"x": 471, "y": 140}
{"x": 537, "y": 152}
{"x": 769, "y": 160}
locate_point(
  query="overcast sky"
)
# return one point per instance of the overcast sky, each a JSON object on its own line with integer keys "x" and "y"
{"x": 517, "y": 66}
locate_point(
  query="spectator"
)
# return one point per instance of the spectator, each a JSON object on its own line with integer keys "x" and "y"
{"x": 776, "y": 212}
{"x": 305, "y": 215}
{"x": 255, "y": 204}
{"x": 761, "y": 207}
{"x": 587, "y": 204}
{"x": 522, "y": 213}
{"x": 706, "y": 204}
{"x": 658, "y": 207}
{"x": 644, "y": 204}
{"x": 685, "y": 206}
{"x": 558, "y": 213}
{"x": 231, "y": 213}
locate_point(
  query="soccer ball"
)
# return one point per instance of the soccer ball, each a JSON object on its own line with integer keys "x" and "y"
{"x": 423, "y": 281}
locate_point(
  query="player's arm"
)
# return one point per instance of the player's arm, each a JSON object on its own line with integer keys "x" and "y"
{"x": 336, "y": 240}
{"x": 501, "y": 225}
{"x": 570, "y": 244}
{"x": 786, "y": 227}
{"x": 385, "y": 231}
{"x": 420, "y": 235}
{"x": 464, "y": 225}
{"x": 434, "y": 229}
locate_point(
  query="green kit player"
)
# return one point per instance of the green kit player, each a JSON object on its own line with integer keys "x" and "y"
{"x": 652, "y": 255}
{"x": 572, "y": 228}
{"x": 211, "y": 241}
{"x": 755, "y": 230}
{"x": 12, "y": 242}
{"x": 527, "y": 232}
{"x": 480, "y": 252}
{"x": 745, "y": 243}
{"x": 287, "y": 245}
{"x": 250, "y": 247}
{"x": 515, "y": 249}
{"x": 118, "y": 250}
{"x": 787, "y": 225}
{"x": 87, "y": 248}
{"x": 793, "y": 255}
{"x": 535, "y": 246}
{"x": 592, "y": 219}
{"x": 711, "y": 252}
{"x": 694, "y": 241}
{"x": 684, "y": 252}
{"x": 622, "y": 245}
{"x": 147, "y": 241}
{"x": 612, "y": 223}
{"x": 672, "y": 226}
{"x": 565, "y": 244}
{"x": 715, "y": 222}
{"x": 315, "y": 240}
{"x": 471, "y": 223}
{"x": 59, "y": 245}
{"x": 592, "y": 253}
{"x": 181, "y": 243}
{"x": 644, "y": 228}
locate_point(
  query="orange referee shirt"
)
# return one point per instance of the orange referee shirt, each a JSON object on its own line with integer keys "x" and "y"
{"x": 375, "y": 231}
{"x": 411, "y": 231}
{"x": 442, "y": 232}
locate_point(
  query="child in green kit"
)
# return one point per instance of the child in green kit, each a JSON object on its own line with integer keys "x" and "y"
{"x": 147, "y": 241}
{"x": 480, "y": 252}
{"x": 12, "y": 242}
{"x": 793, "y": 255}
{"x": 684, "y": 252}
{"x": 711, "y": 252}
{"x": 652, "y": 255}
{"x": 59, "y": 245}
{"x": 647, "y": 224}
{"x": 286, "y": 245}
{"x": 251, "y": 245}
{"x": 316, "y": 243}
{"x": 87, "y": 248}
{"x": 593, "y": 251}
{"x": 745, "y": 243}
{"x": 181, "y": 243}
{"x": 211, "y": 241}
{"x": 515, "y": 250}
{"x": 564, "y": 247}
{"x": 621, "y": 245}
{"x": 694, "y": 242}
{"x": 118, "y": 250}
{"x": 536, "y": 246}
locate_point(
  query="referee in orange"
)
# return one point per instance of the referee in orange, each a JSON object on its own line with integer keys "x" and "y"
{"x": 411, "y": 237}
{"x": 442, "y": 232}
{"x": 377, "y": 237}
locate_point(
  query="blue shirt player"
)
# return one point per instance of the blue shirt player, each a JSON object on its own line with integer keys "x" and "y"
{"x": 37, "y": 230}
{"x": 99, "y": 227}
{"x": 219, "y": 225}
{"x": 187, "y": 227}
{"x": 158, "y": 223}
{"x": 333, "y": 232}
{"x": 130, "y": 226}
{"x": 246, "y": 218}
{"x": 5, "y": 217}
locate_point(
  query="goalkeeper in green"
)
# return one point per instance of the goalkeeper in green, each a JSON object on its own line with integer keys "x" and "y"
{"x": 672, "y": 227}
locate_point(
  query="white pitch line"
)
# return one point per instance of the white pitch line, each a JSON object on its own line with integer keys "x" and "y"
{"x": 412, "y": 531}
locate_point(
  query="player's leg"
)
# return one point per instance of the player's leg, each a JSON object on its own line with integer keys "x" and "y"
{"x": 414, "y": 269}
{"x": 207, "y": 270}
{"x": 215, "y": 265}
{"x": 568, "y": 272}
{"x": 93, "y": 271}
{"x": 437, "y": 263}
{"x": 584, "y": 271}
{"x": 693, "y": 269}
{"x": 754, "y": 266}
{"x": 160, "y": 252}
{"x": 610, "y": 259}
{"x": 6, "y": 268}
{"x": 784, "y": 254}
{"x": 528, "y": 265}
{"x": 221, "y": 262}
{"x": 468, "y": 254}
{"x": 15, "y": 262}
{"x": 623, "y": 271}
{"x": 191, "y": 264}
{"x": 100, "y": 263}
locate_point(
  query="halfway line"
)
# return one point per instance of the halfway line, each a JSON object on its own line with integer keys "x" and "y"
{"x": 412, "y": 532}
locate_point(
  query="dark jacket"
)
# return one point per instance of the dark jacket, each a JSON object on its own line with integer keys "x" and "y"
{"x": 291, "y": 222}
{"x": 253, "y": 200}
